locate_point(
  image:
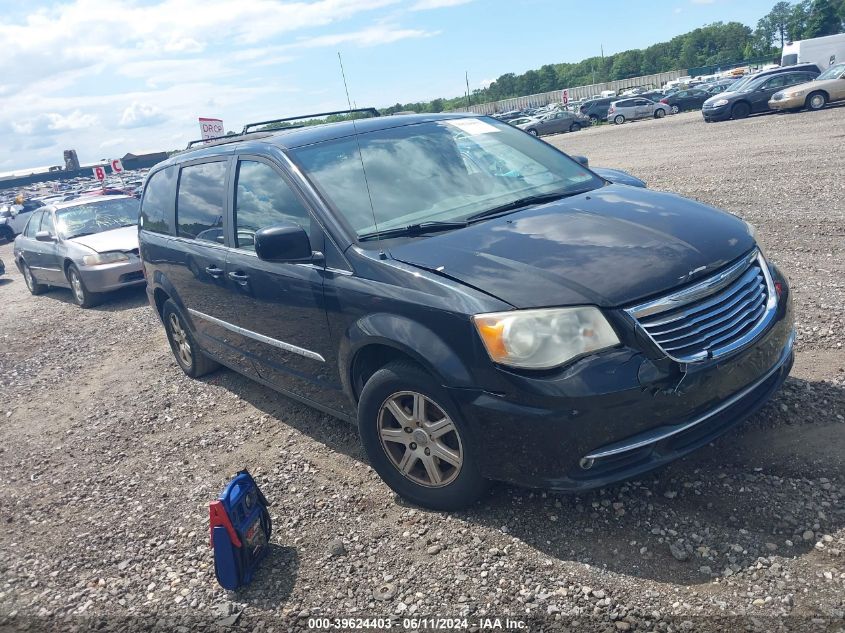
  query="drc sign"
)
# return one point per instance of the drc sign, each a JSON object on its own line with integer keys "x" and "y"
{"x": 211, "y": 128}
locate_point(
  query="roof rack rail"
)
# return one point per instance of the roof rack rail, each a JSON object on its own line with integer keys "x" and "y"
{"x": 228, "y": 138}
{"x": 371, "y": 111}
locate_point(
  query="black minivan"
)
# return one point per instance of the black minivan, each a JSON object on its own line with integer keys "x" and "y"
{"x": 483, "y": 306}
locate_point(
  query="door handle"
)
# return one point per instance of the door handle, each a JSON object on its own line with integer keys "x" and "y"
{"x": 239, "y": 277}
{"x": 214, "y": 271}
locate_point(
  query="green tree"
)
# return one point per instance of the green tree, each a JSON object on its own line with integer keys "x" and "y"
{"x": 823, "y": 19}
{"x": 797, "y": 23}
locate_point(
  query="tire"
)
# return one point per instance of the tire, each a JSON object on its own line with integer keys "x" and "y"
{"x": 393, "y": 435}
{"x": 619, "y": 119}
{"x": 594, "y": 119}
{"x": 740, "y": 110}
{"x": 533, "y": 132}
{"x": 189, "y": 355}
{"x": 659, "y": 113}
{"x": 575, "y": 127}
{"x": 675, "y": 109}
{"x": 31, "y": 283}
{"x": 83, "y": 297}
{"x": 6, "y": 233}
{"x": 816, "y": 100}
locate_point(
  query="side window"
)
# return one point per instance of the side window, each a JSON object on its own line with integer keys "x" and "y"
{"x": 264, "y": 199}
{"x": 47, "y": 223}
{"x": 199, "y": 205}
{"x": 776, "y": 82}
{"x": 158, "y": 201}
{"x": 33, "y": 224}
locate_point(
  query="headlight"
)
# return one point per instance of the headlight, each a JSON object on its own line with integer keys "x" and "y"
{"x": 542, "y": 339}
{"x": 796, "y": 93}
{"x": 720, "y": 102}
{"x": 105, "y": 258}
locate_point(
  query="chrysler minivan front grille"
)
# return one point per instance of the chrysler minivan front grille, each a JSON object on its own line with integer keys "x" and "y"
{"x": 715, "y": 317}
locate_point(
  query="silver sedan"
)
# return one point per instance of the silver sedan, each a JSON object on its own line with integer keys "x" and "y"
{"x": 89, "y": 245}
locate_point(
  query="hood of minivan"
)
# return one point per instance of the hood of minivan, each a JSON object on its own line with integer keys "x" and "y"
{"x": 124, "y": 238}
{"x": 609, "y": 247}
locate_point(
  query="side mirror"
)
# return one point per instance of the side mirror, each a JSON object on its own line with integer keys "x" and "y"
{"x": 283, "y": 243}
{"x": 582, "y": 160}
{"x": 45, "y": 236}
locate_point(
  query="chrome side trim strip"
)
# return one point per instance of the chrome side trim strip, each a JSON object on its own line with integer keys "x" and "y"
{"x": 658, "y": 436}
{"x": 307, "y": 353}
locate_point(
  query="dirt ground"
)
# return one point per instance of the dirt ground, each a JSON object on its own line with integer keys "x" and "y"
{"x": 110, "y": 455}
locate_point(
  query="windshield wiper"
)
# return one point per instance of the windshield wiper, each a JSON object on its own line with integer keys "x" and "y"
{"x": 412, "y": 229}
{"x": 521, "y": 203}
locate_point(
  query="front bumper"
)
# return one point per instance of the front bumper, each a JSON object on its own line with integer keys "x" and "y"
{"x": 790, "y": 103}
{"x": 113, "y": 276}
{"x": 616, "y": 415}
{"x": 722, "y": 113}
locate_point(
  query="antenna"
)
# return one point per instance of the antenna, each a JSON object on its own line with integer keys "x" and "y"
{"x": 360, "y": 155}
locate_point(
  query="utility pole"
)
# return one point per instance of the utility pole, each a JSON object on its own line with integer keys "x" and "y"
{"x": 466, "y": 76}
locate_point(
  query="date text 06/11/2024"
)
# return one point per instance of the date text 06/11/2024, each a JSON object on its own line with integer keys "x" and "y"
{"x": 416, "y": 624}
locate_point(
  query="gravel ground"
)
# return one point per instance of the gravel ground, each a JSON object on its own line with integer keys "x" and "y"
{"x": 110, "y": 456}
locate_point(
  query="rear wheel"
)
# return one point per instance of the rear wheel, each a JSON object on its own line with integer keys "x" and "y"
{"x": 188, "y": 353}
{"x": 6, "y": 233}
{"x": 619, "y": 119}
{"x": 816, "y": 101}
{"x": 574, "y": 127}
{"x": 594, "y": 119}
{"x": 659, "y": 113}
{"x": 740, "y": 110}
{"x": 533, "y": 132}
{"x": 83, "y": 297}
{"x": 31, "y": 283}
{"x": 416, "y": 440}
{"x": 675, "y": 109}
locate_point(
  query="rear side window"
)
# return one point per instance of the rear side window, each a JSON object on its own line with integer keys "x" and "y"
{"x": 158, "y": 201}
{"x": 33, "y": 224}
{"x": 199, "y": 205}
{"x": 264, "y": 199}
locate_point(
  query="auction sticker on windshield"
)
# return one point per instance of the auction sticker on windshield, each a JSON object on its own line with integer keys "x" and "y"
{"x": 472, "y": 126}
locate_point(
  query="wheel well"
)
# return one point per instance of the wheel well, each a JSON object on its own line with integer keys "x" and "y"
{"x": 66, "y": 265}
{"x": 824, "y": 92}
{"x": 160, "y": 297}
{"x": 369, "y": 360}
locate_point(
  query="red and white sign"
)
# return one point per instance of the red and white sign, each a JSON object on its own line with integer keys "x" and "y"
{"x": 211, "y": 128}
{"x": 99, "y": 173}
{"x": 116, "y": 166}
{"x": 566, "y": 97}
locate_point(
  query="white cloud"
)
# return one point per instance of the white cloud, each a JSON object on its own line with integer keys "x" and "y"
{"x": 373, "y": 36}
{"x": 425, "y": 5}
{"x": 53, "y": 123}
{"x": 141, "y": 114}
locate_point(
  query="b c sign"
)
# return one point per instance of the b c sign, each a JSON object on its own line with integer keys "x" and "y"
{"x": 211, "y": 128}
{"x": 116, "y": 166}
{"x": 99, "y": 173}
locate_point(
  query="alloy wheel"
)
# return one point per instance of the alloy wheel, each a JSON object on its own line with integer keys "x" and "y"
{"x": 27, "y": 277}
{"x": 180, "y": 341}
{"x": 420, "y": 439}
{"x": 76, "y": 285}
{"x": 817, "y": 101}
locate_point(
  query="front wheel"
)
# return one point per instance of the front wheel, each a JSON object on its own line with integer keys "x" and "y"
{"x": 740, "y": 111}
{"x": 816, "y": 101}
{"x": 533, "y": 132}
{"x": 574, "y": 127}
{"x": 83, "y": 297}
{"x": 189, "y": 356}
{"x": 416, "y": 440}
{"x": 619, "y": 119}
{"x": 659, "y": 113}
{"x": 32, "y": 285}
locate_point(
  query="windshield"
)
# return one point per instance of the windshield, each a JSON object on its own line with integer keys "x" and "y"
{"x": 437, "y": 171}
{"x": 833, "y": 72}
{"x": 96, "y": 217}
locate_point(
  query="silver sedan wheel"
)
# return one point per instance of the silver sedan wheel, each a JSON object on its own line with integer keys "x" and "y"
{"x": 420, "y": 439}
{"x": 180, "y": 341}
{"x": 76, "y": 285}
{"x": 27, "y": 277}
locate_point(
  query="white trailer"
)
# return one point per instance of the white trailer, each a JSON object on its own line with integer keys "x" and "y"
{"x": 821, "y": 51}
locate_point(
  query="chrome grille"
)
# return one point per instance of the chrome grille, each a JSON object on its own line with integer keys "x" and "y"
{"x": 714, "y": 317}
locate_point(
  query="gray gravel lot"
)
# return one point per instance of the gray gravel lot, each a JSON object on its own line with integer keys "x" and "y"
{"x": 110, "y": 456}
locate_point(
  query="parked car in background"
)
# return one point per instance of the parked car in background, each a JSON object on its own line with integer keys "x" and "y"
{"x": 556, "y": 123}
{"x": 689, "y": 99}
{"x": 596, "y": 110}
{"x": 635, "y": 108}
{"x": 89, "y": 245}
{"x": 516, "y": 319}
{"x": 718, "y": 87}
{"x": 13, "y": 217}
{"x": 752, "y": 94}
{"x": 814, "y": 95}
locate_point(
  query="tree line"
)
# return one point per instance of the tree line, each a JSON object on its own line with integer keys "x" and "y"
{"x": 711, "y": 45}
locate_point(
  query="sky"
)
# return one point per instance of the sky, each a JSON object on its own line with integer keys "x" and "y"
{"x": 109, "y": 77}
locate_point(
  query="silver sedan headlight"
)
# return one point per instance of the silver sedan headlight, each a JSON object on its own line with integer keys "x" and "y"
{"x": 546, "y": 338}
{"x": 105, "y": 258}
